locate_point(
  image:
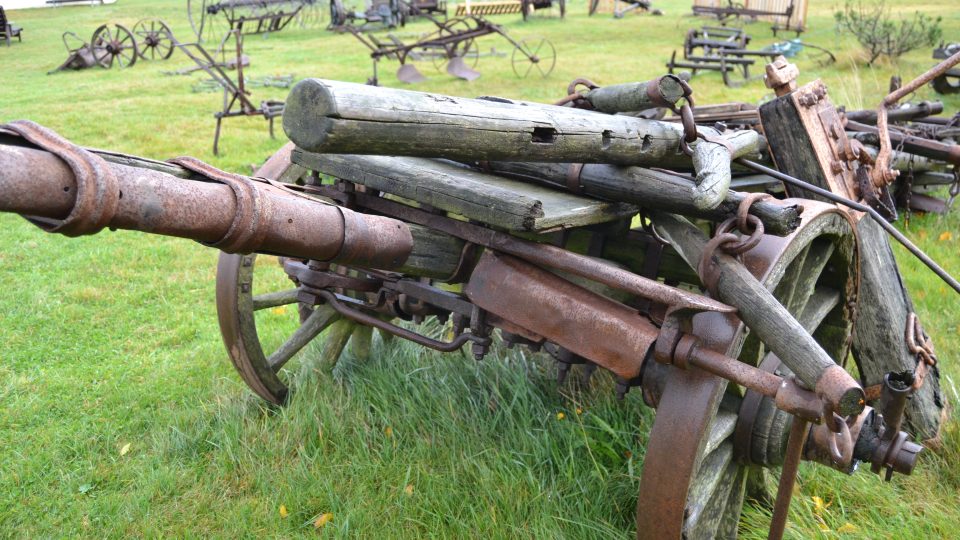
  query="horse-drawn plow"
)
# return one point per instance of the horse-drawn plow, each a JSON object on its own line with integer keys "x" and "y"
{"x": 453, "y": 47}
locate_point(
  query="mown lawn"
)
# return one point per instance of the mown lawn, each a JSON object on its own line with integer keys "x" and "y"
{"x": 120, "y": 416}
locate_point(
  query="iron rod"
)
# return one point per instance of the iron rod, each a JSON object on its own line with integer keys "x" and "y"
{"x": 891, "y": 230}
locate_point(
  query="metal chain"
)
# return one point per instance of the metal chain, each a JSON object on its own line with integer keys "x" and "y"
{"x": 921, "y": 347}
{"x": 955, "y": 187}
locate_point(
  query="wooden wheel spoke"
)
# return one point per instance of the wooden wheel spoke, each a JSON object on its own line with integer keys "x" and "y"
{"x": 721, "y": 428}
{"x": 785, "y": 289}
{"x": 274, "y": 299}
{"x": 817, "y": 257}
{"x": 320, "y": 319}
{"x": 714, "y": 475}
{"x": 819, "y": 305}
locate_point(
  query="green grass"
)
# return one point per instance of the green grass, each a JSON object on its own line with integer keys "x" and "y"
{"x": 112, "y": 340}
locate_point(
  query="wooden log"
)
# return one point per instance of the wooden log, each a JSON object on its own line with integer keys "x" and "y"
{"x": 630, "y": 97}
{"x": 484, "y": 197}
{"x": 762, "y": 313}
{"x": 649, "y": 189}
{"x": 334, "y": 342}
{"x": 345, "y": 118}
{"x": 434, "y": 255}
{"x": 878, "y": 339}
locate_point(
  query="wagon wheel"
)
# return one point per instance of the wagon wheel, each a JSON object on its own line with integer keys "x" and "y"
{"x": 206, "y": 19}
{"x": 946, "y": 84}
{"x": 117, "y": 45}
{"x": 467, "y": 50}
{"x": 264, "y": 326}
{"x": 154, "y": 39}
{"x": 537, "y": 53}
{"x": 694, "y": 482}
{"x": 311, "y": 14}
{"x": 338, "y": 14}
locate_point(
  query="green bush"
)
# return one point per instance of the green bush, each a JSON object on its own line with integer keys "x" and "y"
{"x": 881, "y": 35}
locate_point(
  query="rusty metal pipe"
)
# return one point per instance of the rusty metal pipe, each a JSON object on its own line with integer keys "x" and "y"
{"x": 788, "y": 477}
{"x": 39, "y": 184}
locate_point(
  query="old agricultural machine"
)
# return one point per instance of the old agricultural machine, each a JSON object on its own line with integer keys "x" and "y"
{"x": 115, "y": 44}
{"x": 601, "y": 239}
{"x": 212, "y": 19}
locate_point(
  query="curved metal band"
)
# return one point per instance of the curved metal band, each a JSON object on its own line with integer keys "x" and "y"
{"x": 249, "y": 226}
{"x": 98, "y": 193}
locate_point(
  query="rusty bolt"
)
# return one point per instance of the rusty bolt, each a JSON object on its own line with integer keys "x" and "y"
{"x": 781, "y": 76}
{"x": 836, "y": 167}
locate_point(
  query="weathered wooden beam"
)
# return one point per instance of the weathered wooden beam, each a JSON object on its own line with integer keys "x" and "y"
{"x": 484, "y": 197}
{"x": 345, "y": 118}
{"x": 638, "y": 96}
{"x": 763, "y": 314}
{"x": 883, "y": 305}
{"x": 652, "y": 189}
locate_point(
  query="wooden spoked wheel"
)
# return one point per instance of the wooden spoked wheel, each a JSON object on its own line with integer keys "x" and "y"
{"x": 207, "y": 21}
{"x": 694, "y": 481}
{"x": 114, "y": 45}
{"x": 264, "y": 326}
{"x": 533, "y": 55}
{"x": 154, "y": 39}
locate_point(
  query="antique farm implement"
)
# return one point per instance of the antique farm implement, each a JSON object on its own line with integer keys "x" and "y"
{"x": 568, "y": 229}
{"x": 949, "y": 82}
{"x": 237, "y": 100}
{"x": 212, "y": 19}
{"x": 453, "y": 44}
{"x": 782, "y": 12}
{"x": 110, "y": 45}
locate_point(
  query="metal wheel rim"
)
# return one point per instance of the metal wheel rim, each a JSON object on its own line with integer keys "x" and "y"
{"x": 103, "y": 41}
{"x": 159, "y": 31}
{"x": 691, "y": 443}
{"x": 542, "y": 48}
{"x": 197, "y": 14}
{"x": 469, "y": 52}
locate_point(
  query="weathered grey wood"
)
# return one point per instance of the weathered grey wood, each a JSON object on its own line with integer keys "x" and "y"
{"x": 756, "y": 306}
{"x": 320, "y": 319}
{"x": 334, "y": 342}
{"x": 630, "y": 97}
{"x": 434, "y": 254}
{"x": 335, "y": 117}
{"x": 878, "y": 343}
{"x": 273, "y": 299}
{"x": 650, "y": 189}
{"x": 488, "y": 198}
{"x": 708, "y": 492}
{"x": 721, "y": 427}
{"x": 361, "y": 341}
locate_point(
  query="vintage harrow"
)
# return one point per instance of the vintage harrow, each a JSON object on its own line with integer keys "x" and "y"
{"x": 211, "y": 20}
{"x": 110, "y": 45}
{"x": 453, "y": 45}
{"x": 495, "y": 216}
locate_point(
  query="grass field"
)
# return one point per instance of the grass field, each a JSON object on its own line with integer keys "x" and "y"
{"x": 120, "y": 415}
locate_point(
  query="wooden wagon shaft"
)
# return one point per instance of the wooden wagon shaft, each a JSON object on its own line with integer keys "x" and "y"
{"x": 41, "y": 185}
{"x": 775, "y": 326}
{"x": 909, "y": 143}
{"x": 647, "y": 188}
{"x": 336, "y": 117}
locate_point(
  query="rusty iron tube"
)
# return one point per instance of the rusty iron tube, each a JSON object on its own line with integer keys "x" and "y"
{"x": 689, "y": 350}
{"x": 39, "y": 184}
{"x": 788, "y": 477}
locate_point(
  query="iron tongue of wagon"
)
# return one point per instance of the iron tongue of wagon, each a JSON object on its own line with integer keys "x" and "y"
{"x": 515, "y": 217}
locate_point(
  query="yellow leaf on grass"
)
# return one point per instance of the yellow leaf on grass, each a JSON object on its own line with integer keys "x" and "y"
{"x": 388, "y": 431}
{"x": 283, "y": 511}
{"x": 279, "y": 310}
{"x": 561, "y": 416}
{"x": 409, "y": 489}
{"x": 579, "y": 410}
{"x": 323, "y": 520}
{"x": 847, "y": 528}
{"x": 818, "y": 505}
{"x": 922, "y": 233}
{"x": 945, "y": 236}
{"x": 125, "y": 449}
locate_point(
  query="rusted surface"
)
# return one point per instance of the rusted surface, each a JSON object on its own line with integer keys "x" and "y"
{"x": 544, "y": 255}
{"x": 604, "y": 331}
{"x": 788, "y": 477}
{"x": 253, "y": 216}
